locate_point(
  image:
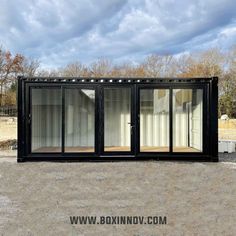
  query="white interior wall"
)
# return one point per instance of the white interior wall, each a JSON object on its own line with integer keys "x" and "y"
{"x": 154, "y": 129}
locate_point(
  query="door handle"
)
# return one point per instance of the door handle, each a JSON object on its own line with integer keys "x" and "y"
{"x": 131, "y": 129}
{"x": 29, "y": 119}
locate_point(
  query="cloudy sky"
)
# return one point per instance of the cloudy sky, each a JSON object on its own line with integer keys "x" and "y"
{"x": 58, "y": 32}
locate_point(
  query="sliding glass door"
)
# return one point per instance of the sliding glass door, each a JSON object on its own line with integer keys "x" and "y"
{"x": 156, "y": 119}
{"x": 78, "y": 128}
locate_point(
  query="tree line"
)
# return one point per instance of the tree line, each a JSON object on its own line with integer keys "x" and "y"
{"x": 207, "y": 63}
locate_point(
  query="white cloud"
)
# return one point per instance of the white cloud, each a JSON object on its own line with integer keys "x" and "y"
{"x": 60, "y": 31}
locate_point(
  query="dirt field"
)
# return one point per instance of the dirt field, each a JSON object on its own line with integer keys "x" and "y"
{"x": 38, "y": 198}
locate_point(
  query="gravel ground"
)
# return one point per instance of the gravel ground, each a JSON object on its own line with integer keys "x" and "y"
{"x": 38, "y": 198}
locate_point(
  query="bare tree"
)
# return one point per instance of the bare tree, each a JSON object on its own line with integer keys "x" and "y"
{"x": 76, "y": 69}
{"x": 10, "y": 66}
{"x": 203, "y": 64}
{"x": 101, "y": 68}
{"x": 158, "y": 66}
{"x": 30, "y": 67}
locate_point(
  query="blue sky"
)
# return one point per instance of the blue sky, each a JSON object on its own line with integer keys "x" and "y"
{"x": 58, "y": 32}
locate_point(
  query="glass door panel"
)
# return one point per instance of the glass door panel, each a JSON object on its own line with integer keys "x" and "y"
{"x": 154, "y": 120}
{"x": 79, "y": 120}
{"x": 117, "y": 119}
{"x": 46, "y": 120}
{"x": 187, "y": 120}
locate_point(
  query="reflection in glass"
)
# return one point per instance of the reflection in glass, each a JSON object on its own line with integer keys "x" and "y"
{"x": 117, "y": 118}
{"x": 46, "y": 120}
{"x": 79, "y": 120}
{"x": 187, "y": 120}
{"x": 154, "y": 120}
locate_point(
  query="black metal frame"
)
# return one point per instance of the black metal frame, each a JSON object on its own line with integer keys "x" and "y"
{"x": 210, "y": 122}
